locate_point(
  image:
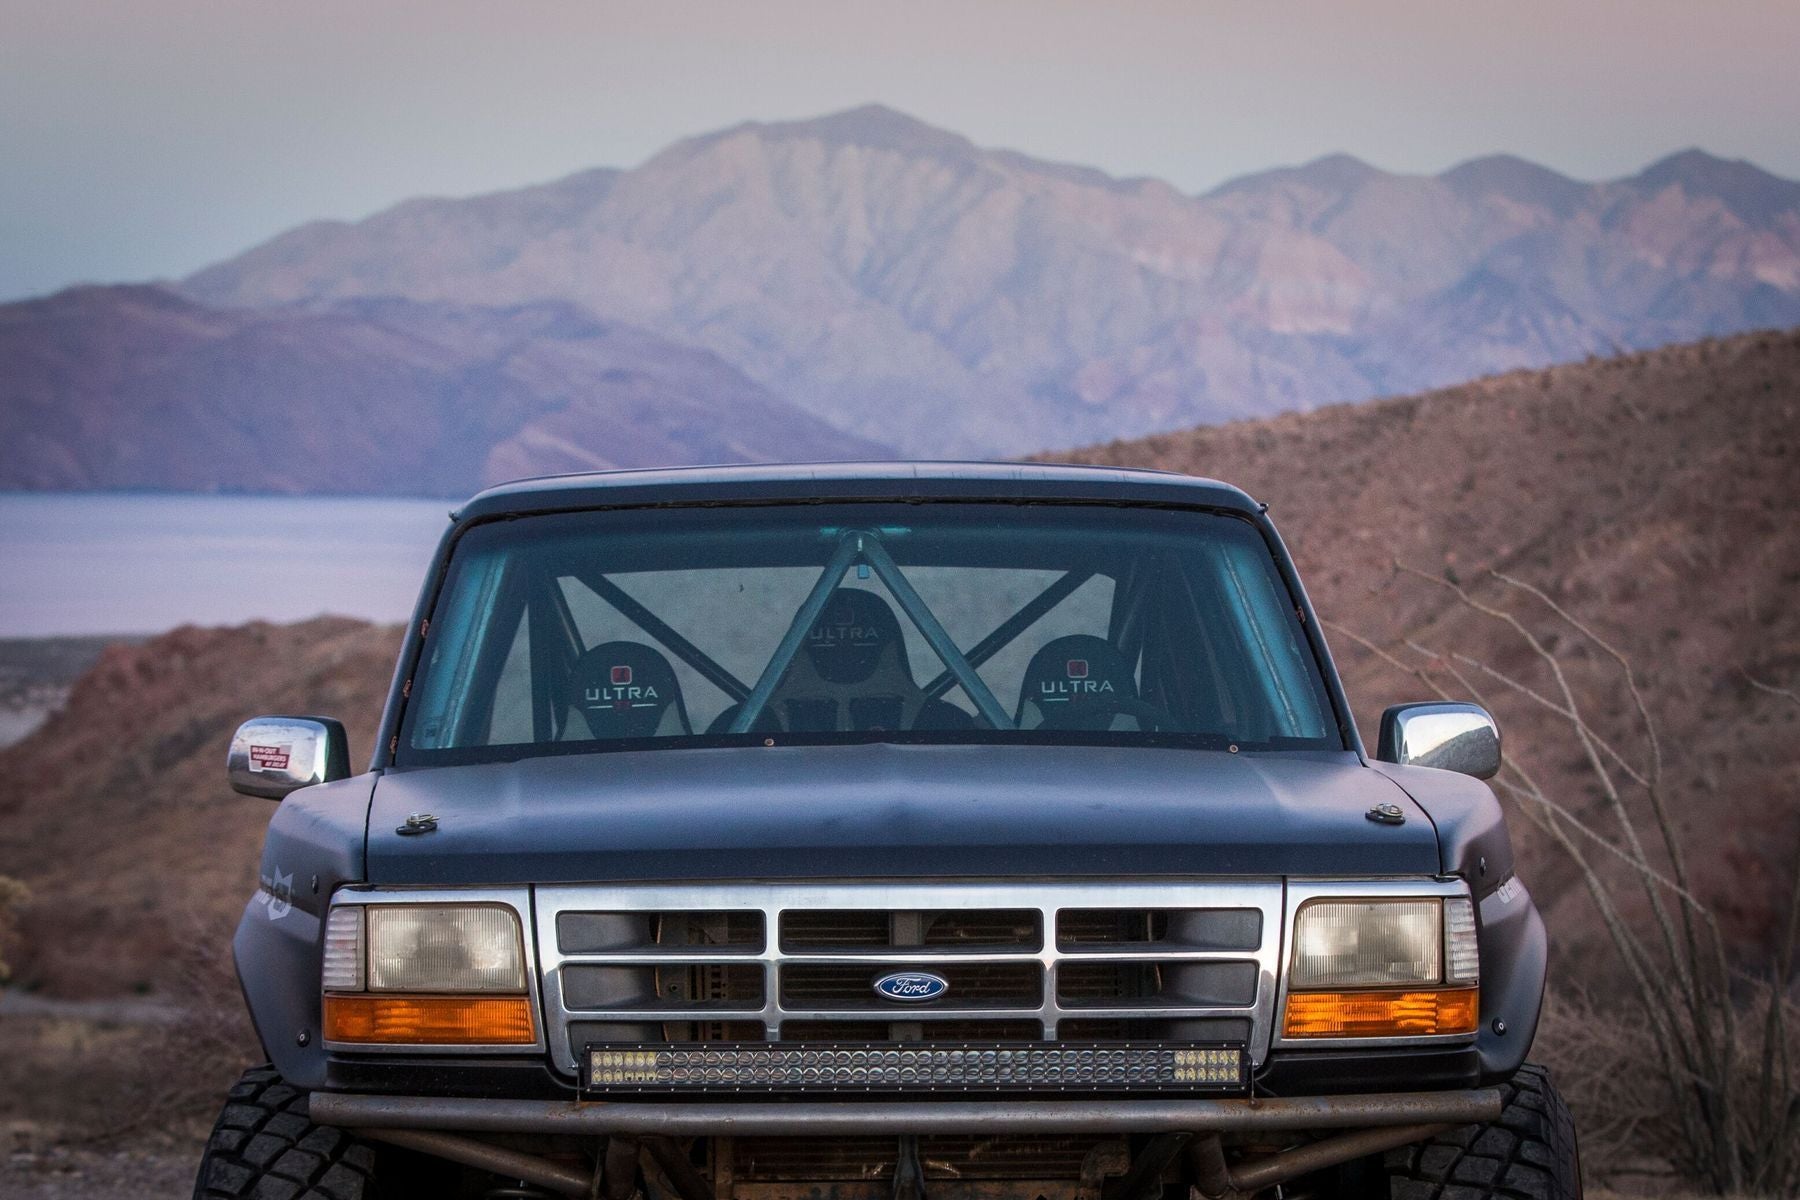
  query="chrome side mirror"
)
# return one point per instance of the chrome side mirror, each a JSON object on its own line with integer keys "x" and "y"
{"x": 272, "y": 756}
{"x": 1451, "y": 737}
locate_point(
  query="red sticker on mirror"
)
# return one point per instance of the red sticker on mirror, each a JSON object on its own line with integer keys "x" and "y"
{"x": 269, "y": 758}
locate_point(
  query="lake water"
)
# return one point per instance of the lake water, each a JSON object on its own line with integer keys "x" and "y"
{"x": 135, "y": 563}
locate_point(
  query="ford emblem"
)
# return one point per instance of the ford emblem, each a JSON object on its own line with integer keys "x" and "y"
{"x": 911, "y": 987}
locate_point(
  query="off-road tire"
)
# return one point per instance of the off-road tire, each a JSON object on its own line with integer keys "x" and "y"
{"x": 265, "y": 1148}
{"x": 1528, "y": 1154}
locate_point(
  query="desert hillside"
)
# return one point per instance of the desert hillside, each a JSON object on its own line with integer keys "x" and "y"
{"x": 1654, "y": 496}
{"x": 137, "y": 387}
{"x": 116, "y": 814}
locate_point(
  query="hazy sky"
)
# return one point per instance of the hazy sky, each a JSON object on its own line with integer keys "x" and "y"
{"x": 146, "y": 138}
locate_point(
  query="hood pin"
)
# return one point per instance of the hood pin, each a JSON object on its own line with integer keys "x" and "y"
{"x": 416, "y": 824}
{"x": 1386, "y": 814}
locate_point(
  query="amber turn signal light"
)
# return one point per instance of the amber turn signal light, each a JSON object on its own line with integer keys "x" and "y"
{"x": 1380, "y": 1014}
{"x": 430, "y": 1020}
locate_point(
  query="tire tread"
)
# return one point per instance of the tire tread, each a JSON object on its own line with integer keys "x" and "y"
{"x": 1529, "y": 1153}
{"x": 265, "y": 1148}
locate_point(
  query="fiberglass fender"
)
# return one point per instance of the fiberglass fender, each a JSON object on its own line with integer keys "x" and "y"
{"x": 1473, "y": 844}
{"x": 314, "y": 844}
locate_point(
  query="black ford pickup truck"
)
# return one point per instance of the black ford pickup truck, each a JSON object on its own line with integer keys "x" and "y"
{"x": 883, "y": 832}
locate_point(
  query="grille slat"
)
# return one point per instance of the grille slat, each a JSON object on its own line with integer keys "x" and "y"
{"x": 1025, "y": 961}
{"x": 999, "y": 985}
{"x": 874, "y": 930}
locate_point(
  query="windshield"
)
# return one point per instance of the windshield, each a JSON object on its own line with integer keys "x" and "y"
{"x": 782, "y": 624}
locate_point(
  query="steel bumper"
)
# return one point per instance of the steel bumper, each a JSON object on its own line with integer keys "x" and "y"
{"x": 848, "y": 1117}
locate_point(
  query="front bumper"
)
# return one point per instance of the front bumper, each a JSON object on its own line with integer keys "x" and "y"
{"x": 840, "y": 1118}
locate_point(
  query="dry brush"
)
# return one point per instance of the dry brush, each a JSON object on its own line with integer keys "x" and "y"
{"x": 1714, "y": 1029}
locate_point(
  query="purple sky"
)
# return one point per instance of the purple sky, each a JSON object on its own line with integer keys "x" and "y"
{"x": 146, "y": 138}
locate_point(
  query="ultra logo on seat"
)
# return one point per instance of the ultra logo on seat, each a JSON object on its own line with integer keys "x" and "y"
{"x": 621, "y": 694}
{"x": 1076, "y": 683}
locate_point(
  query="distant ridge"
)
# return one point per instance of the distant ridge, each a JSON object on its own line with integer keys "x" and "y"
{"x": 137, "y": 387}
{"x": 900, "y": 282}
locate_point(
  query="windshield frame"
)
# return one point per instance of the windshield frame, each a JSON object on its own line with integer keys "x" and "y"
{"x": 392, "y": 751}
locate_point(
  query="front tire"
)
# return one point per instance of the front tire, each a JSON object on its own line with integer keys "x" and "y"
{"x": 265, "y": 1147}
{"x": 1530, "y": 1153}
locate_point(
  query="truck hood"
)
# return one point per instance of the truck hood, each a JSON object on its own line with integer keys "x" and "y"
{"x": 893, "y": 812}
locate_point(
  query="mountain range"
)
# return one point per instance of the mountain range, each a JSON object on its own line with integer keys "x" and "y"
{"x": 895, "y": 283}
{"x": 137, "y": 387}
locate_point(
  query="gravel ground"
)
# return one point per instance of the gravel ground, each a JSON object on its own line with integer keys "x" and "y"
{"x": 149, "y": 1172}
{"x": 70, "y": 1071}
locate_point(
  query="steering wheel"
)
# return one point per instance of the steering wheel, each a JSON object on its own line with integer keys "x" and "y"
{"x": 1152, "y": 715}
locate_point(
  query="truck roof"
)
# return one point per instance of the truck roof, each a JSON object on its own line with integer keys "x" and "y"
{"x": 852, "y": 481}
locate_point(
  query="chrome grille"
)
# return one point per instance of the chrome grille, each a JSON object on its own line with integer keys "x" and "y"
{"x": 798, "y": 961}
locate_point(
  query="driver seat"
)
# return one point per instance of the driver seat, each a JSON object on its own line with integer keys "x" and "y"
{"x": 1075, "y": 673}
{"x": 851, "y": 672}
{"x": 852, "y": 675}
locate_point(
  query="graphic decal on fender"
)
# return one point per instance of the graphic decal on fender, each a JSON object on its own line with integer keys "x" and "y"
{"x": 277, "y": 894}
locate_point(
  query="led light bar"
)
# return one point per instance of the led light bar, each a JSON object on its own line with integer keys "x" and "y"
{"x": 916, "y": 1067}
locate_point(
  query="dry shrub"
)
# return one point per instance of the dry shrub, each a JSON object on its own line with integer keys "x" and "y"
{"x": 106, "y": 1072}
{"x": 1629, "y": 1127}
{"x": 1695, "y": 1062}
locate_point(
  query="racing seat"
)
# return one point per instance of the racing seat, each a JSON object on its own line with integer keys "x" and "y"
{"x": 1077, "y": 681}
{"x": 852, "y": 675}
{"x": 623, "y": 690}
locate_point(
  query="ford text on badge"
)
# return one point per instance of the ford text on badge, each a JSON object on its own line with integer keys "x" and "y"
{"x": 911, "y": 986}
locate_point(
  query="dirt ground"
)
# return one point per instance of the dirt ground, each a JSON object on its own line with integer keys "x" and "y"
{"x": 108, "y": 1100}
{"x": 137, "y": 1172}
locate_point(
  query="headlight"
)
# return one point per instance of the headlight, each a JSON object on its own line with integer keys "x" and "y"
{"x": 444, "y": 948}
{"x": 1367, "y": 943}
{"x": 461, "y": 968}
{"x": 1389, "y": 967}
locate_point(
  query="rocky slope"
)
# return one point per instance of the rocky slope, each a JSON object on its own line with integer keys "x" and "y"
{"x": 903, "y": 283}
{"x": 1655, "y": 497}
{"x": 137, "y": 387}
{"x": 115, "y": 811}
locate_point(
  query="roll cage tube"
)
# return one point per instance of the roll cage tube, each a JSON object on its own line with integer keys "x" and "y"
{"x": 1005, "y": 633}
{"x": 662, "y": 631}
{"x": 863, "y": 545}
